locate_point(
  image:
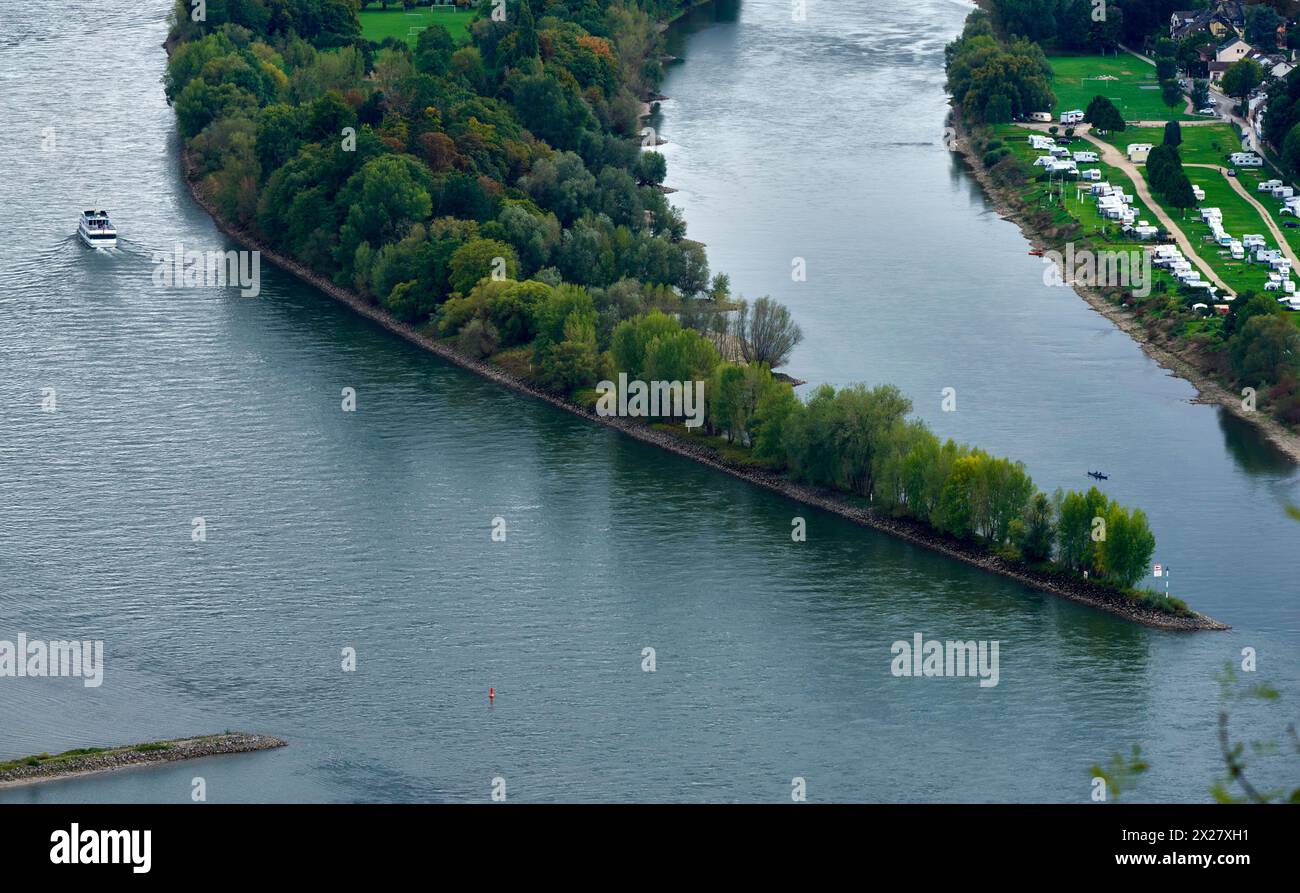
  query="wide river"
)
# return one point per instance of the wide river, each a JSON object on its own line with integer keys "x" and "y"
{"x": 819, "y": 140}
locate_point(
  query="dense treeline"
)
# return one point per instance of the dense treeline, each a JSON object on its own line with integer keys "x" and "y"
{"x": 495, "y": 194}
{"x": 1082, "y": 25}
{"x": 1262, "y": 348}
{"x": 994, "y": 82}
{"x": 861, "y": 441}
{"x": 1282, "y": 122}
{"x": 1069, "y": 24}
{"x": 412, "y": 174}
{"x": 393, "y": 167}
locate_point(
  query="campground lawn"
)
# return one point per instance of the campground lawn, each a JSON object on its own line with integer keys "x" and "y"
{"x": 1204, "y": 144}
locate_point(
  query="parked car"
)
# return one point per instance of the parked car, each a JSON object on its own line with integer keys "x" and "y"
{"x": 1207, "y": 111}
{"x": 1232, "y": 172}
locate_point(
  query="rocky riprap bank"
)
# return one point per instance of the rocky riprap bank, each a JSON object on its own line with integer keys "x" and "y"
{"x": 1058, "y": 584}
{"x": 81, "y": 762}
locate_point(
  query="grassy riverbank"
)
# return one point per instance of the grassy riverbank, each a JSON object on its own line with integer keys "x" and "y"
{"x": 88, "y": 760}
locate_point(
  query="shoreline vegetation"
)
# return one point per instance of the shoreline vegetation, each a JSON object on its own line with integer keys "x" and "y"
{"x": 94, "y": 760}
{"x": 1006, "y": 202}
{"x": 1219, "y": 353}
{"x": 1063, "y": 585}
{"x": 494, "y": 247}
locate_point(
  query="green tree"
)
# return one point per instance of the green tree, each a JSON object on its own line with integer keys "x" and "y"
{"x": 1262, "y": 22}
{"x": 566, "y": 313}
{"x": 478, "y": 259}
{"x": 1171, "y": 94}
{"x": 1102, "y": 114}
{"x": 1173, "y": 134}
{"x": 651, "y": 168}
{"x": 278, "y": 139}
{"x": 1241, "y": 78}
{"x": 1037, "y": 530}
{"x": 383, "y": 199}
{"x": 998, "y": 109}
{"x": 433, "y": 50}
{"x": 685, "y": 356}
{"x": 1128, "y": 546}
{"x": 1248, "y": 304}
{"x": 630, "y": 343}
{"x": 514, "y": 310}
{"x": 327, "y": 116}
{"x": 1266, "y": 350}
{"x": 525, "y": 32}
{"x": 1076, "y": 513}
{"x": 959, "y": 497}
{"x": 569, "y": 364}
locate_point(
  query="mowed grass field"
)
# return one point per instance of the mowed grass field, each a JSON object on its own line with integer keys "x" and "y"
{"x": 377, "y": 24}
{"x": 1135, "y": 90}
{"x": 1239, "y": 218}
{"x": 1203, "y": 144}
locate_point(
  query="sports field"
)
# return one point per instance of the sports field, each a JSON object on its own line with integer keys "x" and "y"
{"x": 404, "y": 24}
{"x": 1125, "y": 80}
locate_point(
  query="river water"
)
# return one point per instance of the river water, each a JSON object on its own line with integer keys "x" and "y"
{"x": 818, "y": 140}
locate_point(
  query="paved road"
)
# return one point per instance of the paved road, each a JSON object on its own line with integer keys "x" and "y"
{"x": 1225, "y": 105}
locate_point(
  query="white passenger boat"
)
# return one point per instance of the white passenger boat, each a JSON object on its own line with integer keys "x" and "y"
{"x": 96, "y": 229}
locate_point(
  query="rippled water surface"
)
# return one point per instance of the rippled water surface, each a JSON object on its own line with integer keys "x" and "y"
{"x": 326, "y": 529}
